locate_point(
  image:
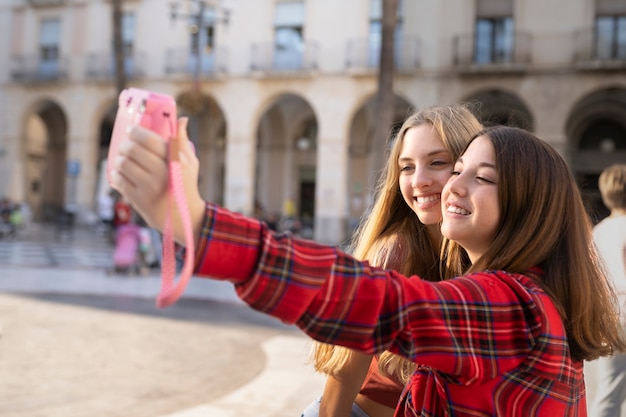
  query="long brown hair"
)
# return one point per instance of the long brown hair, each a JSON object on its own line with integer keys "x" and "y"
{"x": 392, "y": 236}
{"x": 544, "y": 223}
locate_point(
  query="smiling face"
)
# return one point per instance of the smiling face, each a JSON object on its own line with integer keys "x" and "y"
{"x": 471, "y": 209}
{"x": 425, "y": 165}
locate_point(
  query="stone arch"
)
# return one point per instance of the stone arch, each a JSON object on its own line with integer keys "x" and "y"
{"x": 103, "y": 126}
{"x": 498, "y": 107}
{"x": 596, "y": 132}
{"x": 286, "y": 162}
{"x": 361, "y": 176}
{"x": 207, "y": 129}
{"x": 45, "y": 174}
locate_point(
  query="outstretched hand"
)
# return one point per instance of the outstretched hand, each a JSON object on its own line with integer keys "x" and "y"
{"x": 141, "y": 175}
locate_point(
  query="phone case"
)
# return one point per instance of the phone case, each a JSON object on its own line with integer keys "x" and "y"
{"x": 151, "y": 110}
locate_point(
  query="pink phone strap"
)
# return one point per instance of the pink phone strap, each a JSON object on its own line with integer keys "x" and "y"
{"x": 170, "y": 292}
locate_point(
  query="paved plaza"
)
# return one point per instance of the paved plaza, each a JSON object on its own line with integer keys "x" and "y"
{"x": 77, "y": 341}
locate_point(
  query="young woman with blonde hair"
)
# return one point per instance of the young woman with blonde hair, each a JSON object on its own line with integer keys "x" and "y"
{"x": 401, "y": 232}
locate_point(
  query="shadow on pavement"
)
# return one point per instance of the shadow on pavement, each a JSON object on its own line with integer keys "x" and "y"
{"x": 190, "y": 310}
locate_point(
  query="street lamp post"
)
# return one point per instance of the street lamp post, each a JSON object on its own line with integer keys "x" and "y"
{"x": 200, "y": 21}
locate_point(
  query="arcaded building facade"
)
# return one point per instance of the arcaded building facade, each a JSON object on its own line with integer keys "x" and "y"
{"x": 280, "y": 93}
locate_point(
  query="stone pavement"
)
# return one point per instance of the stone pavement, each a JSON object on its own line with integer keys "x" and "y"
{"x": 76, "y": 341}
{"x": 42, "y": 245}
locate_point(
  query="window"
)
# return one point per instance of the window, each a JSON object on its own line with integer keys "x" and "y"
{"x": 289, "y": 35}
{"x": 49, "y": 38}
{"x": 203, "y": 42}
{"x": 49, "y": 55}
{"x": 128, "y": 33}
{"x": 375, "y": 32}
{"x": 610, "y": 37}
{"x": 202, "y": 38}
{"x": 494, "y": 40}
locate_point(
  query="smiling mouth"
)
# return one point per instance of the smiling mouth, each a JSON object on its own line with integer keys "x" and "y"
{"x": 429, "y": 199}
{"x": 457, "y": 210}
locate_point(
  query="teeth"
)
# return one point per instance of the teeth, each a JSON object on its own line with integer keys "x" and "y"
{"x": 422, "y": 200}
{"x": 457, "y": 210}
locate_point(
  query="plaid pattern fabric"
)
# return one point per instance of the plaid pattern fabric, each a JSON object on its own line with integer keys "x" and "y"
{"x": 487, "y": 344}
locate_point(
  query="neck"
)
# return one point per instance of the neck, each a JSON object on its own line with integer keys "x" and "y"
{"x": 618, "y": 212}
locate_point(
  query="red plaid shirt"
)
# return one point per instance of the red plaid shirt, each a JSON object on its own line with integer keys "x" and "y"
{"x": 486, "y": 344}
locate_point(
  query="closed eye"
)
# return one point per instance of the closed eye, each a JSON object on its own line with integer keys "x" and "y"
{"x": 485, "y": 180}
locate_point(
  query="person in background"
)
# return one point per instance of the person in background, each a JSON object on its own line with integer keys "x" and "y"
{"x": 7, "y": 226}
{"x": 123, "y": 213}
{"x": 610, "y": 238}
{"x": 401, "y": 232}
{"x": 506, "y": 337}
{"x": 106, "y": 212}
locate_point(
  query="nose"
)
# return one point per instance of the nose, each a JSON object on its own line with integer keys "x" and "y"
{"x": 421, "y": 178}
{"x": 455, "y": 185}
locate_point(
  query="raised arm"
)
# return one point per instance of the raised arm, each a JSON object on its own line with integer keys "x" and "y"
{"x": 337, "y": 299}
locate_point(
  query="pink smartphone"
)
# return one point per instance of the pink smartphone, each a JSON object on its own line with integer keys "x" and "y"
{"x": 151, "y": 110}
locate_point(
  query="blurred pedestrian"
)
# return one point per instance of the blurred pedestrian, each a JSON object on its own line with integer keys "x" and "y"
{"x": 106, "y": 212}
{"x": 122, "y": 214}
{"x": 7, "y": 226}
{"x": 610, "y": 238}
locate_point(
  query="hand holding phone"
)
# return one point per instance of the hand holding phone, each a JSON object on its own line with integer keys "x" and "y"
{"x": 137, "y": 107}
{"x": 157, "y": 112}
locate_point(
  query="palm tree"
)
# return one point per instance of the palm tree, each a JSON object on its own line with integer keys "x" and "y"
{"x": 118, "y": 46}
{"x": 385, "y": 97}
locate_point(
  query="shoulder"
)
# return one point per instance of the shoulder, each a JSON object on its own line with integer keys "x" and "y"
{"x": 609, "y": 232}
{"x": 503, "y": 285}
{"x": 610, "y": 225}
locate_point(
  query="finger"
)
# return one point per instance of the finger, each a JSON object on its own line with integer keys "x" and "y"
{"x": 141, "y": 169}
{"x": 147, "y": 140}
{"x": 186, "y": 146}
{"x": 186, "y": 149}
{"x": 134, "y": 153}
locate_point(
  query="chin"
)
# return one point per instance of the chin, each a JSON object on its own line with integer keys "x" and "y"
{"x": 428, "y": 217}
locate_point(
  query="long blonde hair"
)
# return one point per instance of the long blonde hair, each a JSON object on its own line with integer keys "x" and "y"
{"x": 392, "y": 236}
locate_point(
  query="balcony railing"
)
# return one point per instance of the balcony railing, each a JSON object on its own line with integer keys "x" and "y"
{"x": 33, "y": 69}
{"x": 185, "y": 62}
{"x": 44, "y": 3}
{"x": 269, "y": 58}
{"x": 364, "y": 54}
{"x": 512, "y": 53}
{"x": 597, "y": 50}
{"x": 101, "y": 66}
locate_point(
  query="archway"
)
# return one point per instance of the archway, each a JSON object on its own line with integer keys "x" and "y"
{"x": 596, "y": 132}
{"x": 286, "y": 166}
{"x": 45, "y": 173}
{"x": 497, "y": 107}
{"x": 361, "y": 177}
{"x": 207, "y": 130}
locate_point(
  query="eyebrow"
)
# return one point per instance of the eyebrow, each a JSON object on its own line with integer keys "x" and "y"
{"x": 482, "y": 164}
{"x": 436, "y": 152}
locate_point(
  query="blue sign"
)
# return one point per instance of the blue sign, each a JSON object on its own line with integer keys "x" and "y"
{"x": 73, "y": 167}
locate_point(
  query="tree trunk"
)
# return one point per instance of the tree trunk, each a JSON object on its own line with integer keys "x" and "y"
{"x": 385, "y": 97}
{"x": 118, "y": 46}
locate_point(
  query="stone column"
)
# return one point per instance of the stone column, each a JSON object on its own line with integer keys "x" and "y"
{"x": 331, "y": 193}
